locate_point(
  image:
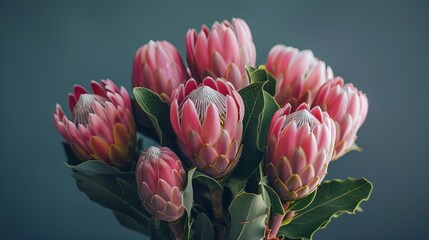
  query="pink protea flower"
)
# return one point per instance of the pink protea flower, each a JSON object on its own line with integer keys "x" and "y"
{"x": 299, "y": 149}
{"x": 160, "y": 179}
{"x": 102, "y": 126}
{"x": 221, "y": 52}
{"x": 208, "y": 122}
{"x": 299, "y": 74}
{"x": 159, "y": 67}
{"x": 348, "y": 107}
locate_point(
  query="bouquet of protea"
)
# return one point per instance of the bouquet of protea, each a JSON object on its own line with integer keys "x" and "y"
{"x": 241, "y": 153}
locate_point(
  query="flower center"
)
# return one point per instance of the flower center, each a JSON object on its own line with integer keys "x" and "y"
{"x": 202, "y": 97}
{"x": 301, "y": 118}
{"x": 152, "y": 151}
{"x": 84, "y": 107}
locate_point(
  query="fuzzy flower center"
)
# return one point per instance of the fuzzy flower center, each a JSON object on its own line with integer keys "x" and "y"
{"x": 84, "y": 107}
{"x": 152, "y": 152}
{"x": 202, "y": 97}
{"x": 301, "y": 117}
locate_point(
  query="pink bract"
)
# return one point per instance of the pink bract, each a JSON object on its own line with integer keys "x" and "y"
{"x": 299, "y": 148}
{"x": 160, "y": 179}
{"x": 159, "y": 67}
{"x": 221, "y": 52}
{"x": 208, "y": 122}
{"x": 348, "y": 107}
{"x": 103, "y": 126}
{"x": 299, "y": 74}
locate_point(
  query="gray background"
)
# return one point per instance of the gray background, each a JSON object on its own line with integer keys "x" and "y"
{"x": 47, "y": 46}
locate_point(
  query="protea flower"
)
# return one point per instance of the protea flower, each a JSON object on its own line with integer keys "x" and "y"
{"x": 208, "y": 122}
{"x": 299, "y": 74}
{"x": 348, "y": 107}
{"x": 102, "y": 126}
{"x": 159, "y": 67}
{"x": 299, "y": 149}
{"x": 160, "y": 180}
{"x": 221, "y": 52}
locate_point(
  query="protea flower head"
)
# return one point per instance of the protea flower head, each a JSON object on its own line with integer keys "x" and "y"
{"x": 348, "y": 107}
{"x": 221, "y": 52}
{"x": 299, "y": 149}
{"x": 208, "y": 122}
{"x": 102, "y": 125}
{"x": 159, "y": 67}
{"x": 160, "y": 179}
{"x": 299, "y": 74}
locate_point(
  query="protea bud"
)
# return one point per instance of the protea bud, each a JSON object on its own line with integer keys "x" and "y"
{"x": 102, "y": 126}
{"x": 348, "y": 107}
{"x": 159, "y": 67}
{"x": 299, "y": 149}
{"x": 221, "y": 52}
{"x": 160, "y": 179}
{"x": 299, "y": 74}
{"x": 208, "y": 122}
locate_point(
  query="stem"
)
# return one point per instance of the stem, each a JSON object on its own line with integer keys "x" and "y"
{"x": 276, "y": 221}
{"x": 176, "y": 229}
{"x": 274, "y": 226}
{"x": 216, "y": 202}
{"x": 220, "y": 232}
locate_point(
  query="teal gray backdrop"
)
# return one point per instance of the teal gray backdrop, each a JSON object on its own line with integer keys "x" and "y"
{"x": 47, "y": 46}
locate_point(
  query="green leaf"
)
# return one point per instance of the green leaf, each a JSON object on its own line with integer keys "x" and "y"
{"x": 130, "y": 223}
{"x": 208, "y": 181}
{"x": 159, "y": 113}
{"x": 186, "y": 225}
{"x": 143, "y": 123}
{"x": 159, "y": 230}
{"x": 114, "y": 193}
{"x": 303, "y": 203}
{"x": 129, "y": 191}
{"x": 260, "y": 74}
{"x": 251, "y": 156}
{"x": 270, "y": 107}
{"x": 72, "y": 159}
{"x": 271, "y": 198}
{"x": 97, "y": 167}
{"x": 235, "y": 185}
{"x": 333, "y": 198}
{"x": 203, "y": 227}
{"x": 188, "y": 193}
{"x": 248, "y": 213}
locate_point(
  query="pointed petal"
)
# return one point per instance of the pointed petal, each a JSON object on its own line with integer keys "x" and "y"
{"x": 223, "y": 142}
{"x": 190, "y": 119}
{"x": 231, "y": 117}
{"x": 298, "y": 160}
{"x": 218, "y": 65}
{"x": 98, "y": 89}
{"x": 194, "y": 142}
{"x": 174, "y": 119}
{"x": 294, "y": 182}
{"x": 120, "y": 136}
{"x": 284, "y": 169}
{"x": 100, "y": 149}
{"x": 307, "y": 174}
{"x": 163, "y": 189}
{"x": 208, "y": 154}
{"x": 211, "y": 125}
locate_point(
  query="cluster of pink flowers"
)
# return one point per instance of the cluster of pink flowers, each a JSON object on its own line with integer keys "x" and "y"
{"x": 317, "y": 122}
